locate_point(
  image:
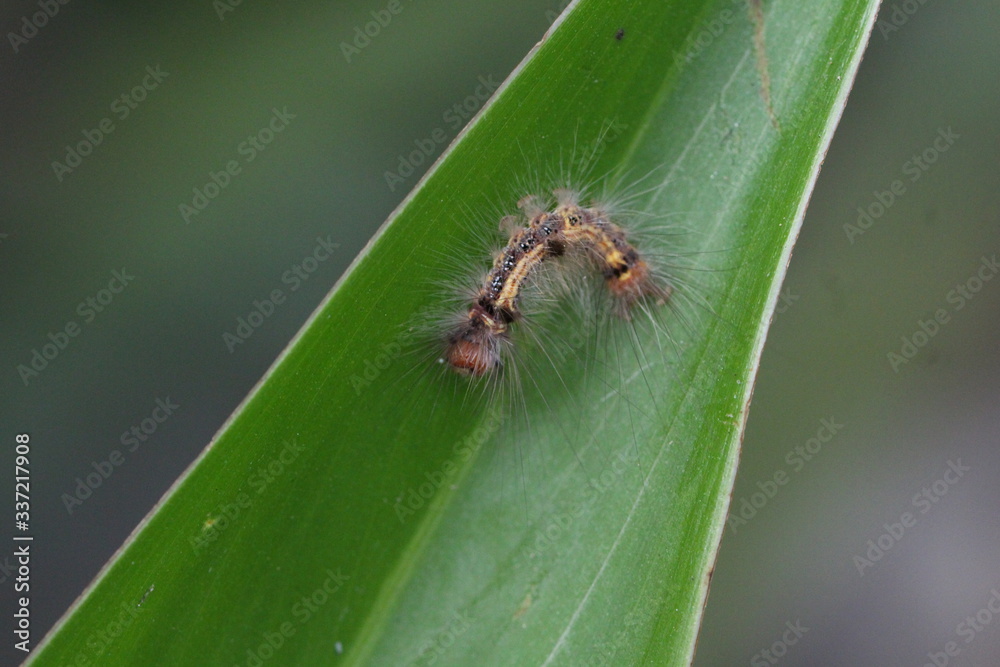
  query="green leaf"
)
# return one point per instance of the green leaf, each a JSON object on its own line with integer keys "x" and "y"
{"x": 362, "y": 507}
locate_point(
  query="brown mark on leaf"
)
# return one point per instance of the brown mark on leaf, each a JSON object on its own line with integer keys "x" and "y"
{"x": 525, "y": 606}
{"x": 756, "y": 9}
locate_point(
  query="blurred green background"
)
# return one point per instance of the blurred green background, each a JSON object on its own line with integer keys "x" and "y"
{"x": 788, "y": 558}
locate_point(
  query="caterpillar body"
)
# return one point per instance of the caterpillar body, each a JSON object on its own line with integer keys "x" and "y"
{"x": 475, "y": 346}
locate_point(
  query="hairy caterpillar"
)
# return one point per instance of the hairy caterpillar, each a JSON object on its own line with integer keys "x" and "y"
{"x": 475, "y": 346}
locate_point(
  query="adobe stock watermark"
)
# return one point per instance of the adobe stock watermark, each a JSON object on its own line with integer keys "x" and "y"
{"x": 434, "y": 647}
{"x": 30, "y": 25}
{"x": 968, "y": 629}
{"x": 786, "y": 299}
{"x": 121, "y": 108}
{"x": 248, "y": 150}
{"x": 415, "y": 498}
{"x": 924, "y": 501}
{"x": 454, "y": 118}
{"x": 225, "y": 514}
{"x": 389, "y": 352}
{"x": 100, "y": 640}
{"x": 131, "y": 440}
{"x": 364, "y": 34}
{"x": 956, "y": 299}
{"x": 890, "y": 22}
{"x": 88, "y": 310}
{"x": 706, "y": 33}
{"x": 558, "y": 525}
{"x": 303, "y": 611}
{"x": 913, "y": 169}
{"x": 778, "y": 649}
{"x": 796, "y": 458}
{"x": 264, "y": 308}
